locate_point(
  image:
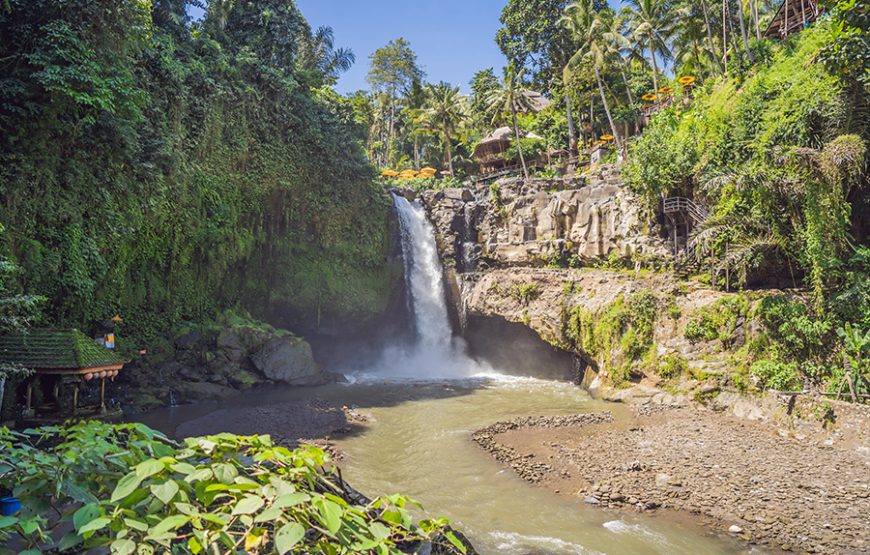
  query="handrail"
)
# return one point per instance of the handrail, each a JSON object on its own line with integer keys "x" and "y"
{"x": 673, "y": 205}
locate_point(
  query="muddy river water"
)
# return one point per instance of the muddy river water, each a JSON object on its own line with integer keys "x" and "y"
{"x": 417, "y": 441}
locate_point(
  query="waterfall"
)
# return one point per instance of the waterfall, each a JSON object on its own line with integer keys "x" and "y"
{"x": 423, "y": 276}
{"x": 435, "y": 353}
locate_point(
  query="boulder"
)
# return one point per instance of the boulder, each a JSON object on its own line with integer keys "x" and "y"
{"x": 287, "y": 360}
{"x": 458, "y": 194}
{"x": 188, "y": 341}
{"x": 242, "y": 379}
{"x": 230, "y": 344}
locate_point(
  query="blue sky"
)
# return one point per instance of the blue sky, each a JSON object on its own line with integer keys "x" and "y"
{"x": 452, "y": 38}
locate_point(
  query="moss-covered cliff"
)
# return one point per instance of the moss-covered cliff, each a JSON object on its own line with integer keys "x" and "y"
{"x": 163, "y": 169}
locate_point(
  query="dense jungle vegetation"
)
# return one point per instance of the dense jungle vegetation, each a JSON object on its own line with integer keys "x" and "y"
{"x": 769, "y": 134}
{"x": 163, "y": 169}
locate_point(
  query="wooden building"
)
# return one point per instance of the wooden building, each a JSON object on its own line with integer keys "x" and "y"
{"x": 792, "y": 17}
{"x": 63, "y": 362}
{"x": 490, "y": 152}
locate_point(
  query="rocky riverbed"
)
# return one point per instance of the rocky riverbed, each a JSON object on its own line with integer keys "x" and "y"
{"x": 752, "y": 479}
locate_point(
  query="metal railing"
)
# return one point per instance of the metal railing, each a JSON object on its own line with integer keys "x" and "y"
{"x": 675, "y": 205}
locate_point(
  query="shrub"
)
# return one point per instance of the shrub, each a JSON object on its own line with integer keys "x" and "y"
{"x": 777, "y": 375}
{"x": 673, "y": 365}
{"x": 129, "y": 489}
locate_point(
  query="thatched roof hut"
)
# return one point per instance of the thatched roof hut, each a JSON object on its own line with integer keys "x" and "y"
{"x": 792, "y": 16}
{"x": 490, "y": 151}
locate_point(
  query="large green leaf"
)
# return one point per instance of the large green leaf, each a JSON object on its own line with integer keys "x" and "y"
{"x": 288, "y": 536}
{"x": 329, "y": 514}
{"x": 126, "y": 485}
{"x": 165, "y": 491}
{"x": 248, "y": 505}
{"x": 123, "y": 547}
{"x": 85, "y": 514}
{"x": 168, "y": 524}
{"x": 94, "y": 525}
{"x": 149, "y": 468}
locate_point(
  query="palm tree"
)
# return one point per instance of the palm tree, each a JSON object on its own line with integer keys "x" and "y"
{"x": 653, "y": 24}
{"x": 319, "y": 52}
{"x": 617, "y": 44}
{"x": 743, "y": 31}
{"x": 510, "y": 97}
{"x": 589, "y": 27}
{"x": 445, "y": 109}
{"x": 688, "y": 43}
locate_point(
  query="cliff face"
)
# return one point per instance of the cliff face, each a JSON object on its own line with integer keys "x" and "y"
{"x": 524, "y": 252}
{"x": 536, "y": 222}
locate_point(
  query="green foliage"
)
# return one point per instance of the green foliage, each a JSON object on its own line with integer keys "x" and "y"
{"x": 718, "y": 321}
{"x": 165, "y": 172}
{"x": 775, "y": 374}
{"x": 128, "y": 489}
{"x": 619, "y": 336}
{"x": 525, "y": 292}
{"x": 673, "y": 365}
{"x": 849, "y": 53}
{"x": 856, "y": 348}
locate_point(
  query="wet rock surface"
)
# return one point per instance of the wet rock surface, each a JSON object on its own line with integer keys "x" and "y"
{"x": 751, "y": 479}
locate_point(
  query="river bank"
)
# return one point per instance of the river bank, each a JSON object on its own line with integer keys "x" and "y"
{"x": 768, "y": 484}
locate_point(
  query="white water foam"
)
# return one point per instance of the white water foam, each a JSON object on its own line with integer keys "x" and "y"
{"x": 435, "y": 354}
{"x": 509, "y": 542}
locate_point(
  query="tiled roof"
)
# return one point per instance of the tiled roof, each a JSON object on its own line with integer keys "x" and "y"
{"x": 55, "y": 349}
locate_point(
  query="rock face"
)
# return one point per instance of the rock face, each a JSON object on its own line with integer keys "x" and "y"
{"x": 287, "y": 360}
{"x": 516, "y": 222}
{"x": 523, "y": 251}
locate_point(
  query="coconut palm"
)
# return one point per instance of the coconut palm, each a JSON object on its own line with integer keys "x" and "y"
{"x": 618, "y": 44}
{"x": 445, "y": 110}
{"x": 589, "y": 27}
{"x": 691, "y": 53}
{"x": 511, "y": 98}
{"x": 653, "y": 24}
{"x": 319, "y": 52}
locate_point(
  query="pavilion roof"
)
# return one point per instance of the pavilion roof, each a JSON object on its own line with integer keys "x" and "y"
{"x": 55, "y": 349}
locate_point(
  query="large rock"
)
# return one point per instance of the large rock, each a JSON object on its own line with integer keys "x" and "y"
{"x": 288, "y": 360}
{"x": 231, "y": 345}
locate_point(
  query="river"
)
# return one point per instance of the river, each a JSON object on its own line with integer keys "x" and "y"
{"x": 423, "y": 401}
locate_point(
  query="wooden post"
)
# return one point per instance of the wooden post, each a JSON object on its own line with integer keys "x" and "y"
{"x": 28, "y": 405}
{"x": 102, "y": 395}
{"x": 75, "y": 401}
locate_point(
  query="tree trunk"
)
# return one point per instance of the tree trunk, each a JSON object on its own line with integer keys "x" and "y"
{"x": 743, "y": 32}
{"x": 607, "y": 107}
{"x": 754, "y": 9}
{"x": 572, "y": 131}
{"x": 709, "y": 29}
{"x": 448, "y": 156}
{"x": 627, "y": 86}
{"x": 655, "y": 67}
{"x": 519, "y": 142}
{"x": 389, "y": 156}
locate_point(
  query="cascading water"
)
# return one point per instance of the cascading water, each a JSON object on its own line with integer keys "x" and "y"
{"x": 423, "y": 276}
{"x": 435, "y": 353}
